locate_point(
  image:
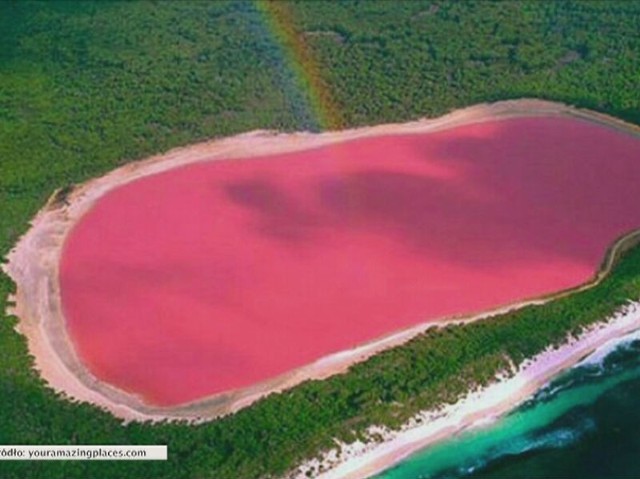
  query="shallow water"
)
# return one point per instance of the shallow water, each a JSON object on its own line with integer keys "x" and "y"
{"x": 584, "y": 424}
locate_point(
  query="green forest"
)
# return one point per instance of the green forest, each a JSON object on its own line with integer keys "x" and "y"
{"x": 86, "y": 86}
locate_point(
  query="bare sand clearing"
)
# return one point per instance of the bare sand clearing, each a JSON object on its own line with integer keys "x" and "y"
{"x": 35, "y": 262}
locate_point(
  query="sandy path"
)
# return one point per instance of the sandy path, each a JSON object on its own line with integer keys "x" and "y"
{"x": 33, "y": 263}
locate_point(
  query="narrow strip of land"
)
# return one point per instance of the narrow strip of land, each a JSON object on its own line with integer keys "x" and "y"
{"x": 361, "y": 460}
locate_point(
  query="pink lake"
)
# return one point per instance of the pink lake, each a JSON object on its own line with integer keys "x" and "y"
{"x": 218, "y": 275}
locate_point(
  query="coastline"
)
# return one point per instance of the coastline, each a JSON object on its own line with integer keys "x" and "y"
{"x": 362, "y": 460}
{"x": 33, "y": 263}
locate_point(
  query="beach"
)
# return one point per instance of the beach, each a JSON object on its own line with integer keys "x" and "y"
{"x": 361, "y": 460}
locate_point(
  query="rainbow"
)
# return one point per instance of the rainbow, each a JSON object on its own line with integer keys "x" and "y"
{"x": 299, "y": 57}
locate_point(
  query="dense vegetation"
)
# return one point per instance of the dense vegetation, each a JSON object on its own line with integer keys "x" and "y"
{"x": 86, "y": 86}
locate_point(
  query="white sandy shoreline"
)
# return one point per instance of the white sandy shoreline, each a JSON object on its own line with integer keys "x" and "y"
{"x": 361, "y": 460}
{"x": 33, "y": 263}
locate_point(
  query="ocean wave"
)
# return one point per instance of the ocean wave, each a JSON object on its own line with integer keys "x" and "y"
{"x": 603, "y": 362}
{"x": 556, "y": 439}
{"x": 600, "y": 356}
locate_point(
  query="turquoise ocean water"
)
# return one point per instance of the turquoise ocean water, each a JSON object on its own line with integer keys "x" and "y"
{"x": 584, "y": 424}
